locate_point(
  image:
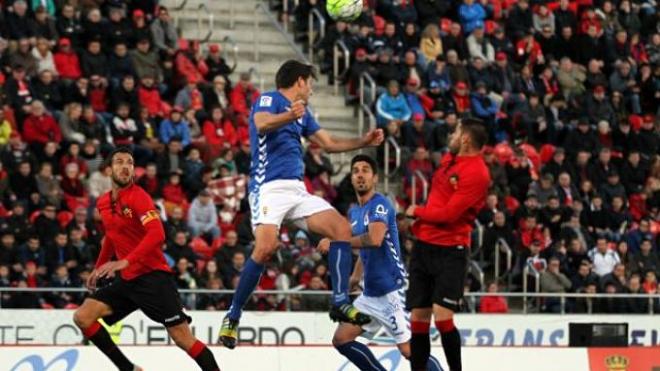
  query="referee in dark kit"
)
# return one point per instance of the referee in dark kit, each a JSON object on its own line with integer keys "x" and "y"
{"x": 442, "y": 231}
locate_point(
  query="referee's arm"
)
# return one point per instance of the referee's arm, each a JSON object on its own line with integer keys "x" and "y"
{"x": 470, "y": 190}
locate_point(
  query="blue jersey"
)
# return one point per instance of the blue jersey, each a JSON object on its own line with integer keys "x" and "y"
{"x": 278, "y": 154}
{"x": 384, "y": 270}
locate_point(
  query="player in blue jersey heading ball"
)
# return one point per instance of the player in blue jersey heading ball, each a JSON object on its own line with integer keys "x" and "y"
{"x": 381, "y": 269}
{"x": 278, "y": 121}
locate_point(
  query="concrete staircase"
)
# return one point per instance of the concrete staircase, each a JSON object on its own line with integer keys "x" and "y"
{"x": 274, "y": 49}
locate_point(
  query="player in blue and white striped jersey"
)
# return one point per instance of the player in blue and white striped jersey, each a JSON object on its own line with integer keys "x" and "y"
{"x": 379, "y": 267}
{"x": 278, "y": 122}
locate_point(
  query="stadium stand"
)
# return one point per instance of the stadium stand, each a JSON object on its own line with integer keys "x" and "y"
{"x": 569, "y": 90}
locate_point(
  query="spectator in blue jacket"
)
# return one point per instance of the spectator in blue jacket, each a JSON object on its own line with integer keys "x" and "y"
{"x": 412, "y": 96}
{"x": 484, "y": 107}
{"x": 175, "y": 126}
{"x": 472, "y": 15}
{"x": 392, "y": 106}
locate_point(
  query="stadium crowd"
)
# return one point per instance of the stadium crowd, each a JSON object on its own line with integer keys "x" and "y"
{"x": 569, "y": 92}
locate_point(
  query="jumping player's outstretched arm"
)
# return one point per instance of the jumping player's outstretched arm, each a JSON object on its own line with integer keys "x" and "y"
{"x": 266, "y": 121}
{"x": 331, "y": 143}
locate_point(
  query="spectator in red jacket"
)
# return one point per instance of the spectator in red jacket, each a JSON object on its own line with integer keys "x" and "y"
{"x": 531, "y": 232}
{"x": 40, "y": 127}
{"x": 420, "y": 161}
{"x": 189, "y": 63}
{"x": 242, "y": 97}
{"x": 75, "y": 194}
{"x": 73, "y": 156}
{"x": 173, "y": 194}
{"x": 219, "y": 132}
{"x": 493, "y": 304}
{"x": 528, "y": 51}
{"x": 67, "y": 62}
{"x": 461, "y": 98}
{"x": 149, "y": 97}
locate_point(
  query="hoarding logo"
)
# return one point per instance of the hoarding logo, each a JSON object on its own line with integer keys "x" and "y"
{"x": 68, "y": 358}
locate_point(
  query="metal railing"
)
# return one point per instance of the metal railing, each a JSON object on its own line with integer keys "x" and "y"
{"x": 391, "y": 142}
{"x": 475, "y": 269}
{"x": 372, "y": 88}
{"x": 339, "y": 44}
{"x": 314, "y": 13}
{"x": 254, "y": 71}
{"x": 527, "y": 271}
{"x": 365, "y": 111}
{"x": 339, "y": 162}
{"x": 201, "y": 9}
{"x": 425, "y": 186}
{"x": 501, "y": 246}
{"x": 234, "y": 48}
{"x": 653, "y": 299}
{"x": 263, "y": 8}
{"x": 479, "y": 241}
{"x": 285, "y": 10}
{"x": 176, "y": 10}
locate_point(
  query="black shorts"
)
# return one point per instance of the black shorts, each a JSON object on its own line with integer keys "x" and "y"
{"x": 154, "y": 293}
{"x": 437, "y": 276}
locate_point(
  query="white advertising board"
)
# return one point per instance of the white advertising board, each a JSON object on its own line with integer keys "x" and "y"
{"x": 55, "y": 327}
{"x": 289, "y": 358}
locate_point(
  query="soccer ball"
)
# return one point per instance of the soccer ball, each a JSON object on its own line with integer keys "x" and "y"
{"x": 344, "y": 10}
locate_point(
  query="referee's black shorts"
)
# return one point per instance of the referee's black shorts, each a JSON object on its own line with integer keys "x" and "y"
{"x": 436, "y": 276}
{"x": 154, "y": 293}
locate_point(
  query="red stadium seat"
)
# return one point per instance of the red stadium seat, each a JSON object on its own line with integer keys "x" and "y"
{"x": 33, "y": 217}
{"x": 64, "y": 217}
{"x": 445, "y": 25}
{"x": 490, "y": 27}
{"x": 201, "y": 248}
{"x": 511, "y": 204}
{"x": 503, "y": 152}
{"x": 139, "y": 172}
{"x": 547, "y": 151}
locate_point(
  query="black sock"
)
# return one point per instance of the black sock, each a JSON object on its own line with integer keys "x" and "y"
{"x": 451, "y": 343}
{"x": 98, "y": 335}
{"x": 203, "y": 356}
{"x": 420, "y": 345}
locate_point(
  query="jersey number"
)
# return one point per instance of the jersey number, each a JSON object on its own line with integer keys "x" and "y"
{"x": 393, "y": 322}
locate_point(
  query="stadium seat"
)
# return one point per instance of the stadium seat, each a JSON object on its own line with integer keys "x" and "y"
{"x": 64, "y": 217}
{"x": 33, "y": 217}
{"x": 547, "y": 151}
{"x": 139, "y": 172}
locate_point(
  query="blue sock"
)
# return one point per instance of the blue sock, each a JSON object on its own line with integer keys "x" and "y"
{"x": 249, "y": 280}
{"x": 360, "y": 355}
{"x": 433, "y": 364}
{"x": 340, "y": 262}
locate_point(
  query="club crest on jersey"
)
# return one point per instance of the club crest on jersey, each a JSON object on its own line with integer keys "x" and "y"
{"x": 127, "y": 212}
{"x": 453, "y": 180}
{"x": 265, "y": 101}
{"x": 380, "y": 209}
{"x": 264, "y": 210}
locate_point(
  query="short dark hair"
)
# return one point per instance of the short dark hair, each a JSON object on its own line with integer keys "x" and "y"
{"x": 291, "y": 71}
{"x": 364, "y": 158}
{"x": 111, "y": 155}
{"x": 477, "y": 131}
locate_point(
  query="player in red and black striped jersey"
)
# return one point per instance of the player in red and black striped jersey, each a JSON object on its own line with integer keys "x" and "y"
{"x": 134, "y": 235}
